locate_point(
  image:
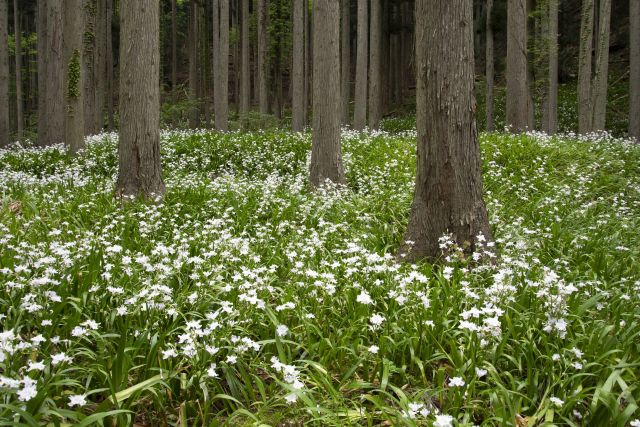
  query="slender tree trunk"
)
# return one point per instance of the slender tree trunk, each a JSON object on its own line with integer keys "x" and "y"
{"x": 140, "y": 172}
{"x": 346, "y": 60}
{"x": 19, "y": 96}
{"x": 245, "y": 77}
{"x": 110, "y": 112}
{"x": 4, "y": 75}
{"x": 489, "y": 63}
{"x": 308, "y": 69}
{"x": 601, "y": 75}
{"x": 552, "y": 96}
{"x": 263, "y": 79}
{"x": 298, "y": 108}
{"x": 585, "y": 114}
{"x": 100, "y": 66}
{"x": 448, "y": 193}
{"x": 517, "y": 75}
{"x": 634, "y": 78}
{"x": 41, "y": 64}
{"x": 174, "y": 51}
{"x": 222, "y": 68}
{"x": 362, "y": 65}
{"x": 326, "y": 155}
{"x": 73, "y": 34}
{"x": 89, "y": 72}
{"x": 375, "y": 65}
{"x": 194, "y": 112}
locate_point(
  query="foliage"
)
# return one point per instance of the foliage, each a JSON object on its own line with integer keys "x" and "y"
{"x": 243, "y": 297}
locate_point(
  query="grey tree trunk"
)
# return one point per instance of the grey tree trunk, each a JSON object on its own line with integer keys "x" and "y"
{"x": 326, "y": 155}
{"x": 174, "y": 50}
{"x": 139, "y": 149}
{"x": 221, "y": 78}
{"x": 489, "y": 63}
{"x": 375, "y": 65}
{"x": 308, "y": 68}
{"x": 109, "y": 88}
{"x": 41, "y": 28}
{"x": 89, "y": 74}
{"x": 194, "y": 111}
{"x": 52, "y": 131}
{"x": 100, "y": 66}
{"x": 18, "y": 42}
{"x": 585, "y": 111}
{"x": 601, "y": 75}
{"x": 634, "y": 78}
{"x": 346, "y": 60}
{"x": 551, "y": 126}
{"x": 518, "y": 106}
{"x": 245, "y": 77}
{"x": 73, "y": 35}
{"x": 4, "y": 75}
{"x": 362, "y": 65}
{"x": 263, "y": 67}
{"x": 298, "y": 107}
{"x": 448, "y": 193}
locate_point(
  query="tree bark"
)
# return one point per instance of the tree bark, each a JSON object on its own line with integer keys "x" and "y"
{"x": 489, "y": 63}
{"x": 245, "y": 77}
{"x": 139, "y": 150}
{"x": 517, "y": 76}
{"x": 73, "y": 35}
{"x": 362, "y": 65}
{"x": 89, "y": 72}
{"x": 634, "y": 78}
{"x": 297, "y": 101}
{"x": 263, "y": 76}
{"x": 4, "y": 75}
{"x": 601, "y": 75}
{"x": 41, "y": 28}
{"x": 174, "y": 51}
{"x": 221, "y": 78}
{"x": 109, "y": 89}
{"x": 375, "y": 65}
{"x": 585, "y": 114}
{"x": 100, "y": 66}
{"x": 19, "y": 100}
{"x": 551, "y": 127}
{"x": 326, "y": 155}
{"x": 345, "y": 64}
{"x": 448, "y": 193}
{"x": 194, "y": 110}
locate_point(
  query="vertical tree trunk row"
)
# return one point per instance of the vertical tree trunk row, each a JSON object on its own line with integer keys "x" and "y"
{"x": 362, "y": 65}
{"x": 73, "y": 46}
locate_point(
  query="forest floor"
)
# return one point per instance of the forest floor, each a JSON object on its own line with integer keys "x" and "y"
{"x": 243, "y": 297}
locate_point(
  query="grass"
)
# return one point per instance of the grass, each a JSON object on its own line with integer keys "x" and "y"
{"x": 243, "y": 298}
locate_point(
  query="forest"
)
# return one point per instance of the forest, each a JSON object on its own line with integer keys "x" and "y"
{"x": 319, "y": 212}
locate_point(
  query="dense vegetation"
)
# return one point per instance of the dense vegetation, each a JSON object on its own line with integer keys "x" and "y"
{"x": 243, "y": 297}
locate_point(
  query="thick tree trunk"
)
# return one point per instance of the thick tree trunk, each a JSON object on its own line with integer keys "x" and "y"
{"x": 109, "y": 90}
{"x": 551, "y": 126}
{"x": 345, "y": 73}
{"x": 489, "y": 63}
{"x": 139, "y": 150}
{"x": 194, "y": 111}
{"x": 634, "y": 78}
{"x": 448, "y": 193}
{"x": 518, "y": 105}
{"x": 326, "y": 155}
{"x": 375, "y": 66}
{"x": 73, "y": 34}
{"x": 51, "y": 108}
{"x": 4, "y": 74}
{"x": 263, "y": 76}
{"x": 308, "y": 68}
{"x": 601, "y": 75}
{"x": 585, "y": 110}
{"x": 298, "y": 108}
{"x": 362, "y": 65}
{"x": 19, "y": 100}
{"x": 245, "y": 77}
{"x": 221, "y": 78}
{"x": 174, "y": 51}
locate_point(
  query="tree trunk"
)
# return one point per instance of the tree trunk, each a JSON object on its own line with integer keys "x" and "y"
{"x": 41, "y": 28}
{"x": 139, "y": 150}
{"x": 194, "y": 110}
{"x": 73, "y": 34}
{"x": 517, "y": 76}
{"x": 174, "y": 51}
{"x": 109, "y": 90}
{"x": 326, "y": 155}
{"x": 263, "y": 76}
{"x": 4, "y": 74}
{"x": 489, "y": 63}
{"x": 448, "y": 193}
{"x": 245, "y": 77}
{"x": 375, "y": 64}
{"x": 221, "y": 78}
{"x": 19, "y": 101}
{"x": 51, "y": 104}
{"x": 362, "y": 65}
{"x": 297, "y": 106}
{"x": 308, "y": 68}
{"x": 634, "y": 78}
{"x": 551, "y": 126}
{"x": 345, "y": 73}
{"x": 89, "y": 73}
{"x": 601, "y": 75}
{"x": 585, "y": 114}
{"x": 100, "y": 66}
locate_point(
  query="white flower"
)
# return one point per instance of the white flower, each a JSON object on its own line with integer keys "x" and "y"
{"x": 443, "y": 420}
{"x": 77, "y": 400}
{"x": 456, "y": 382}
{"x": 291, "y": 398}
{"x": 635, "y": 423}
{"x": 282, "y": 330}
{"x": 481, "y": 372}
{"x": 232, "y": 359}
{"x": 212, "y": 371}
{"x": 556, "y": 401}
{"x": 555, "y": 357}
{"x": 376, "y": 320}
{"x": 374, "y": 349}
{"x": 169, "y": 353}
{"x": 59, "y": 358}
{"x": 28, "y": 391}
{"x": 35, "y": 366}
{"x": 364, "y": 298}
